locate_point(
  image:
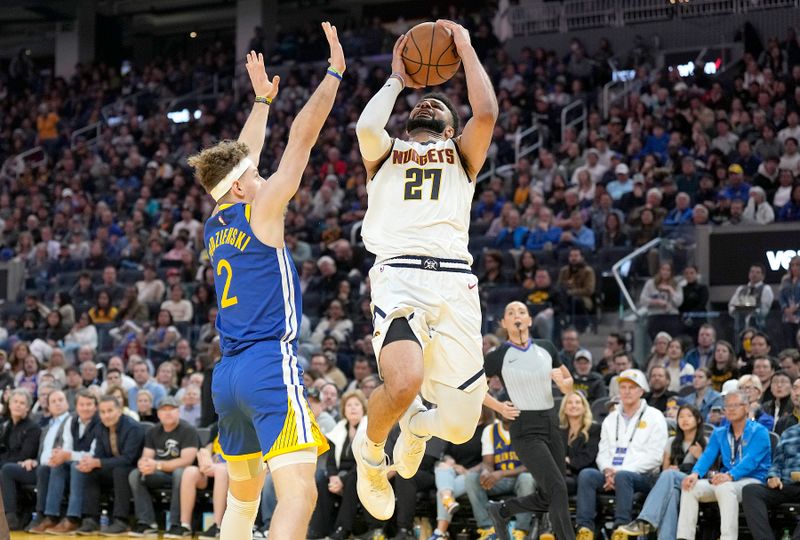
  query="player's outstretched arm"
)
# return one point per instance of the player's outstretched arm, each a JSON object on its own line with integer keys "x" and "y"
{"x": 255, "y": 128}
{"x": 477, "y": 135}
{"x": 273, "y": 195}
{"x": 373, "y": 141}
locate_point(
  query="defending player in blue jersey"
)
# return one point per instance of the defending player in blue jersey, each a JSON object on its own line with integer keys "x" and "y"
{"x": 258, "y": 386}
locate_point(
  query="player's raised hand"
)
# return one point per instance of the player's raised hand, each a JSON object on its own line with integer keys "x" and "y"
{"x": 460, "y": 34}
{"x": 262, "y": 86}
{"x": 336, "y": 59}
{"x": 398, "y": 66}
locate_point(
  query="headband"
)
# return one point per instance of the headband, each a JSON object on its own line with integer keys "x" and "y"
{"x": 224, "y": 185}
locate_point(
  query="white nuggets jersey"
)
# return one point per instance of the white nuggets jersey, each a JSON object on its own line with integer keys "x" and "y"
{"x": 419, "y": 203}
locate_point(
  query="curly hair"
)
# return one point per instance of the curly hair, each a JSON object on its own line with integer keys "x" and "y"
{"x": 212, "y": 164}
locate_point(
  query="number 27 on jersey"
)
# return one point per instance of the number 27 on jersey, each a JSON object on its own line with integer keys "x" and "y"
{"x": 414, "y": 183}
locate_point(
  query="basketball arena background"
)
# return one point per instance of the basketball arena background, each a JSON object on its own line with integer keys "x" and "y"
{"x": 101, "y": 101}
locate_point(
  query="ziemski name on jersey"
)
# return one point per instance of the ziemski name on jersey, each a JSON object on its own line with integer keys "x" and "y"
{"x": 446, "y": 155}
{"x": 231, "y": 236}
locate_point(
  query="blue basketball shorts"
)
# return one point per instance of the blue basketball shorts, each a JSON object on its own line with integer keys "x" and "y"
{"x": 260, "y": 399}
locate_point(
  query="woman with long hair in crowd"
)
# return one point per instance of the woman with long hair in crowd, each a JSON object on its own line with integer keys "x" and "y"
{"x": 660, "y": 509}
{"x": 102, "y": 312}
{"x": 28, "y": 376}
{"x": 63, "y": 304}
{"x": 581, "y": 436}
{"x": 83, "y": 333}
{"x": 661, "y": 296}
{"x": 144, "y": 406}
{"x": 163, "y": 336}
{"x": 526, "y": 269}
{"x": 723, "y": 368}
{"x": 54, "y": 330}
{"x": 680, "y": 371}
{"x": 340, "y": 478}
{"x": 745, "y": 358}
{"x": 781, "y": 402}
{"x": 613, "y": 235}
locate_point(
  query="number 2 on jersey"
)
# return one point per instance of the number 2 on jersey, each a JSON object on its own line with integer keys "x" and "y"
{"x": 226, "y": 301}
{"x": 414, "y": 179}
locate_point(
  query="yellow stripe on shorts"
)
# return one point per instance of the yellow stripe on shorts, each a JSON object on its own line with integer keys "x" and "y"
{"x": 287, "y": 440}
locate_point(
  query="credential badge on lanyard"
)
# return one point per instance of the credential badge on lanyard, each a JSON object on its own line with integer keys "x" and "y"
{"x": 621, "y": 451}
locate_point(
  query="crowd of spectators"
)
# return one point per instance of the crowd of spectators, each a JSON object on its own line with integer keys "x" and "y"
{"x": 108, "y": 352}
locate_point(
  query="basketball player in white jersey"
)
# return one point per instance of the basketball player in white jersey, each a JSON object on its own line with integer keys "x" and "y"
{"x": 427, "y": 318}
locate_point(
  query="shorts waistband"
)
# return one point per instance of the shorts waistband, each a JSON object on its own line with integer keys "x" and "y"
{"x": 433, "y": 264}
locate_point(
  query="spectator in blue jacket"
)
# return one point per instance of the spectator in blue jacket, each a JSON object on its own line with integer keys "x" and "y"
{"x": 704, "y": 396}
{"x": 578, "y": 235}
{"x": 513, "y": 235}
{"x": 737, "y": 188}
{"x": 657, "y": 143}
{"x": 781, "y": 487}
{"x": 703, "y": 354}
{"x": 744, "y": 450}
{"x": 545, "y": 235}
{"x": 682, "y": 213}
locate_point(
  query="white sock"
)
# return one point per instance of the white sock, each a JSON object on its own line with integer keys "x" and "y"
{"x": 237, "y": 523}
{"x": 374, "y": 452}
{"x": 187, "y": 526}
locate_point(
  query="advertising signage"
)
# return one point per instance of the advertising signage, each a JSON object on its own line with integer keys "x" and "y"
{"x": 732, "y": 251}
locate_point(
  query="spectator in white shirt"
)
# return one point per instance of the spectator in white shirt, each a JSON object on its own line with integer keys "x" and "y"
{"x": 593, "y": 166}
{"x": 77, "y": 442}
{"x": 115, "y": 376}
{"x": 632, "y": 442}
{"x": 791, "y": 157}
{"x": 188, "y": 224}
{"x": 180, "y": 308}
{"x": 792, "y": 129}
{"x": 751, "y": 303}
{"x": 83, "y": 334}
{"x": 151, "y": 289}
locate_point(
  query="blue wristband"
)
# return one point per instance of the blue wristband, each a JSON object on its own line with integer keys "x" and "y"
{"x": 332, "y": 72}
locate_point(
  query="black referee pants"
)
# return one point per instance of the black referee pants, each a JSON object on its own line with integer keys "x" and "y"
{"x": 538, "y": 443}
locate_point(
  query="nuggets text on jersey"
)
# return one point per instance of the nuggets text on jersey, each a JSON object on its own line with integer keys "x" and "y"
{"x": 434, "y": 155}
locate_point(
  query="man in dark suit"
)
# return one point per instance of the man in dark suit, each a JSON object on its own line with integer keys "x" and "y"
{"x": 118, "y": 446}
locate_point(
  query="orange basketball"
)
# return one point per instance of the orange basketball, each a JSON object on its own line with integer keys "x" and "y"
{"x": 430, "y": 54}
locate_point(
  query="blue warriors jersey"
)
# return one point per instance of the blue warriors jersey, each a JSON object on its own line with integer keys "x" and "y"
{"x": 505, "y": 458}
{"x": 258, "y": 289}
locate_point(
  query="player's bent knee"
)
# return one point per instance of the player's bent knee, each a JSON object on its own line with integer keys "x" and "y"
{"x": 403, "y": 390}
{"x": 459, "y": 433}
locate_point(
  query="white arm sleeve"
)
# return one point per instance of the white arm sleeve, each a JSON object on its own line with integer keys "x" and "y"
{"x": 372, "y": 137}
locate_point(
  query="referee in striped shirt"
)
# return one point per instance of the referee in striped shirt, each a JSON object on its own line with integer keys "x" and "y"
{"x": 528, "y": 368}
